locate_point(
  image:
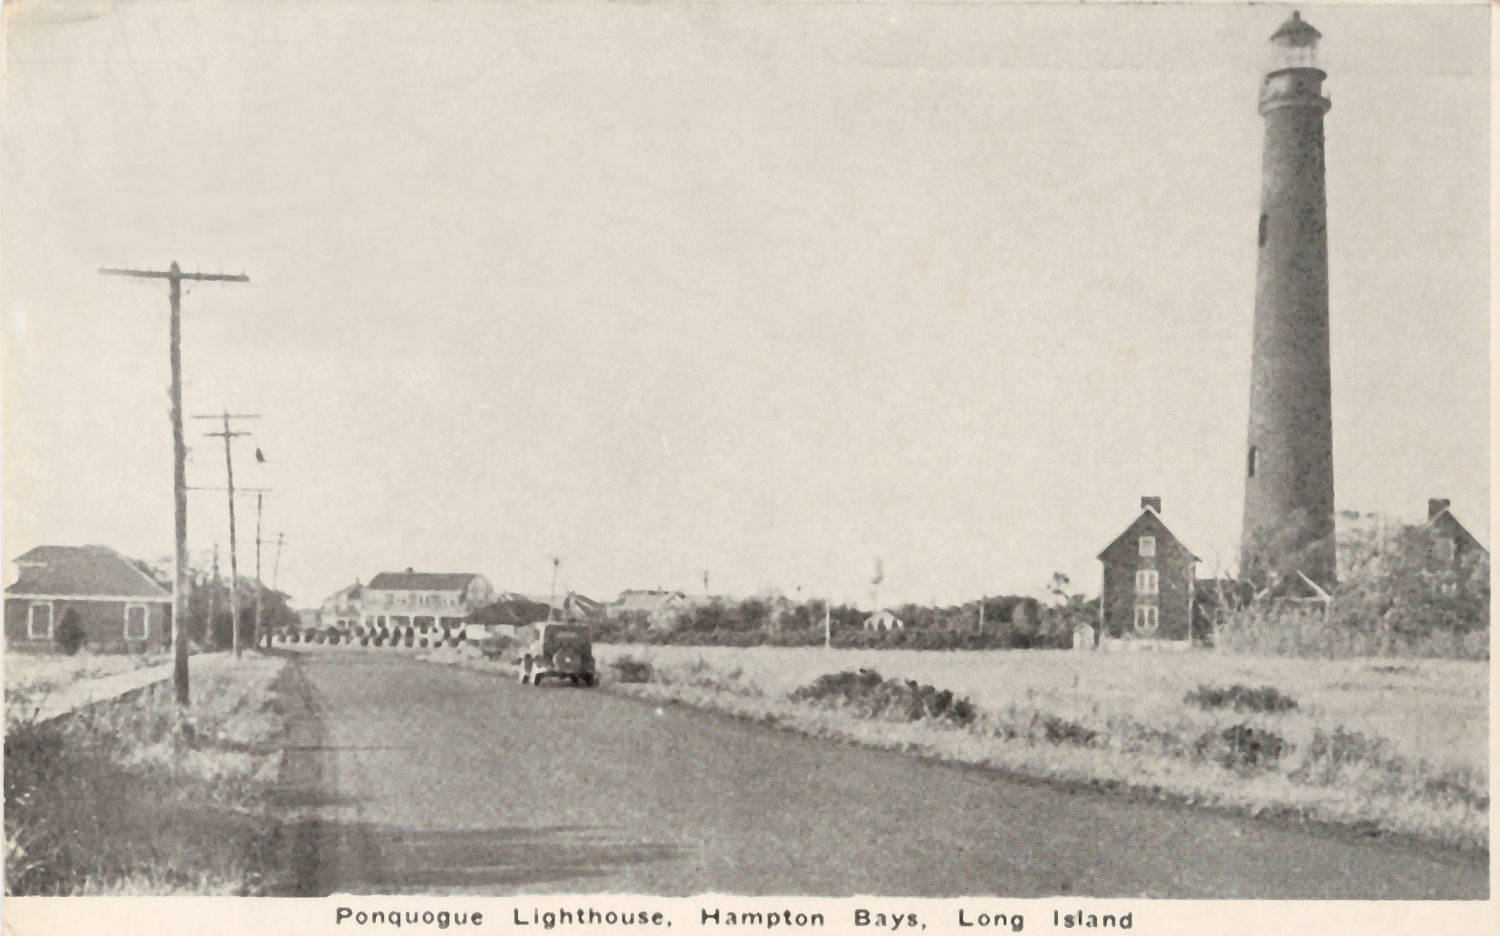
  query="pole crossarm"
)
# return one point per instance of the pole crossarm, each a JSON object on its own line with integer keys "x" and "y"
{"x": 177, "y": 275}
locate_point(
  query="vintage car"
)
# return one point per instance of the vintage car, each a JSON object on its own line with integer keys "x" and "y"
{"x": 561, "y": 649}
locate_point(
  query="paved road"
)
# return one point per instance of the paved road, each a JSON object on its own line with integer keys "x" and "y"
{"x": 418, "y": 778}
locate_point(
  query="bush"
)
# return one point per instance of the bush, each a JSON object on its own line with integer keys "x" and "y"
{"x": 409, "y": 638}
{"x": 1242, "y": 747}
{"x": 628, "y": 670}
{"x": 423, "y": 641}
{"x": 70, "y": 635}
{"x": 1241, "y": 698}
{"x": 871, "y": 696}
{"x": 364, "y": 641}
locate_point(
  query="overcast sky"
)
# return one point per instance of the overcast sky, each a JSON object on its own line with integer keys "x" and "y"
{"x": 767, "y": 290}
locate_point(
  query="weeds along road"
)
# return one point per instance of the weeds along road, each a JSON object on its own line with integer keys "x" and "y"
{"x": 411, "y": 777}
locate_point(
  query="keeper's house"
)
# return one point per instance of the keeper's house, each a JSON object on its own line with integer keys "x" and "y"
{"x": 120, "y": 608}
{"x": 1148, "y": 580}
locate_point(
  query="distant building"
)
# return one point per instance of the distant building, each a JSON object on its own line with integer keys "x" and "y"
{"x": 342, "y": 609}
{"x": 572, "y": 606}
{"x": 657, "y": 608}
{"x": 1149, "y": 580}
{"x": 120, "y": 607}
{"x": 1083, "y": 636}
{"x": 1452, "y": 543}
{"x": 883, "y": 621}
{"x": 424, "y": 600}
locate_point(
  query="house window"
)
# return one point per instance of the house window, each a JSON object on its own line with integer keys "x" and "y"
{"x": 39, "y": 621}
{"x": 1444, "y": 548}
{"x": 1146, "y": 582}
{"x": 1146, "y": 618}
{"x": 1148, "y": 546}
{"x": 136, "y": 627}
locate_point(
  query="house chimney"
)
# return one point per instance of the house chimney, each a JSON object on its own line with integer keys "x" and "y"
{"x": 1153, "y": 502}
{"x": 1436, "y": 505}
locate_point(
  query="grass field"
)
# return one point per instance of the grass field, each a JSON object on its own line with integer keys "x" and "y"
{"x": 136, "y": 796}
{"x": 1390, "y": 745}
{"x": 30, "y": 676}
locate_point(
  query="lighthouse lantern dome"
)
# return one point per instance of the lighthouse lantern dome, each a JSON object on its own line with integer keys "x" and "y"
{"x": 1294, "y": 45}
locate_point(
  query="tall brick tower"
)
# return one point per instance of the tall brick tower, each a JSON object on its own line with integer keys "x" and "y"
{"x": 1288, "y": 524}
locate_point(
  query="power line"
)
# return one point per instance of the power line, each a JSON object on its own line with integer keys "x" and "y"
{"x": 174, "y": 277}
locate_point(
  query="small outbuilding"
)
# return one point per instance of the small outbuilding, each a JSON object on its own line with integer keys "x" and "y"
{"x": 883, "y": 621}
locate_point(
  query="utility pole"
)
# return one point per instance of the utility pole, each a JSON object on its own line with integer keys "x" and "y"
{"x": 213, "y": 599}
{"x": 828, "y": 624}
{"x": 234, "y": 585}
{"x": 259, "y": 493}
{"x": 259, "y": 587}
{"x": 174, "y": 277}
{"x": 552, "y": 605}
{"x": 280, "y": 538}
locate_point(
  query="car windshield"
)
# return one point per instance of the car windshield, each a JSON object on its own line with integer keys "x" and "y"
{"x": 555, "y": 635}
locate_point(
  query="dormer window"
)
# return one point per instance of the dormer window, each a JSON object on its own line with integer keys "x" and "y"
{"x": 1148, "y": 546}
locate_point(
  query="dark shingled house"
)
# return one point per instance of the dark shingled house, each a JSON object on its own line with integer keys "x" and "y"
{"x": 1148, "y": 580}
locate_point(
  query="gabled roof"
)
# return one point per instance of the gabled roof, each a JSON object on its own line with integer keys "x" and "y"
{"x": 95, "y": 571}
{"x": 1148, "y": 520}
{"x": 1444, "y": 522}
{"x": 421, "y": 581}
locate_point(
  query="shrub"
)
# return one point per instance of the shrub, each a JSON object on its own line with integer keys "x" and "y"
{"x": 409, "y": 638}
{"x": 630, "y": 670}
{"x": 1242, "y": 747}
{"x": 423, "y": 641}
{"x": 364, "y": 641}
{"x": 70, "y": 635}
{"x": 1241, "y": 698}
{"x": 1061, "y": 731}
{"x": 871, "y": 696}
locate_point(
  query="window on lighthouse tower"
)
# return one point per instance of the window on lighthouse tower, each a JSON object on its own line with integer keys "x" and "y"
{"x": 1294, "y": 45}
{"x": 1250, "y": 461}
{"x": 1265, "y": 225}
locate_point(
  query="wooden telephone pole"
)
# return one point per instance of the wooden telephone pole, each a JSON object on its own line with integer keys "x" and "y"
{"x": 234, "y": 584}
{"x": 174, "y": 277}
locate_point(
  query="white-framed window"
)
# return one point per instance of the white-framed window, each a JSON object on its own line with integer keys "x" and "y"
{"x": 39, "y": 621}
{"x": 137, "y": 623}
{"x": 1147, "y": 617}
{"x": 1148, "y": 546}
{"x": 1147, "y": 582}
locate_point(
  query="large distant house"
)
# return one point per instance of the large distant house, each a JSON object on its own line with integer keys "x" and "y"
{"x": 1149, "y": 580}
{"x": 423, "y": 600}
{"x": 119, "y": 606}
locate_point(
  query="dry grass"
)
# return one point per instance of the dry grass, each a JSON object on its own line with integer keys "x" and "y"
{"x": 138, "y": 797}
{"x": 31, "y": 676}
{"x": 1400, "y": 746}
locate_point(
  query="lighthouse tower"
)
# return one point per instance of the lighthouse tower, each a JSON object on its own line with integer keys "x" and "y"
{"x": 1288, "y": 523}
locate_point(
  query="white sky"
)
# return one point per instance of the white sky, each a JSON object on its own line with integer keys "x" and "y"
{"x": 768, "y": 290}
